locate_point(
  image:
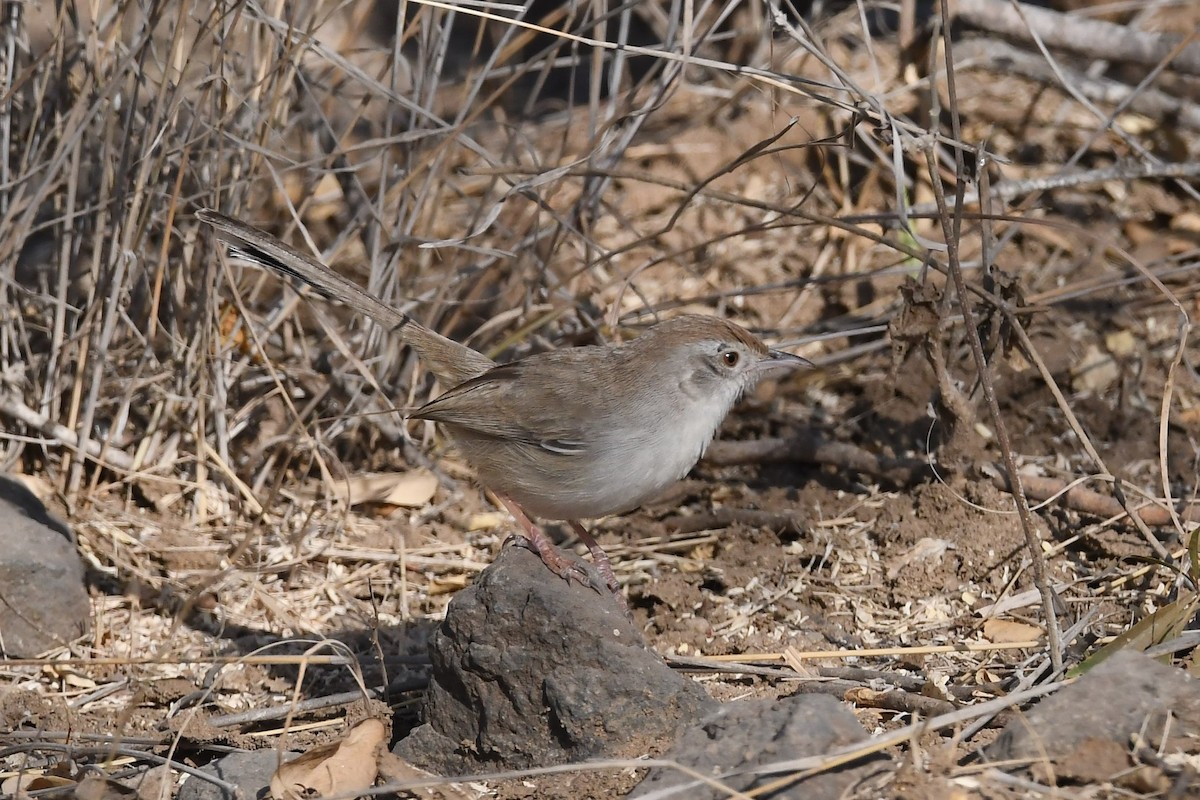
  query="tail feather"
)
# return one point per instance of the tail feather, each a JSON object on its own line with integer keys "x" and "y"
{"x": 448, "y": 359}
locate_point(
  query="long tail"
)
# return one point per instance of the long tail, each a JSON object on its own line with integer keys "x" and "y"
{"x": 449, "y": 360}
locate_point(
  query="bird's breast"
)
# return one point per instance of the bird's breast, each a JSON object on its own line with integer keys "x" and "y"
{"x": 621, "y": 461}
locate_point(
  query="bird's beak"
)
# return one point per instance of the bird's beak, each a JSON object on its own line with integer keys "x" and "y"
{"x": 777, "y": 359}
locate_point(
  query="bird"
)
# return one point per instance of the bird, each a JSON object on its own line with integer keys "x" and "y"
{"x": 568, "y": 434}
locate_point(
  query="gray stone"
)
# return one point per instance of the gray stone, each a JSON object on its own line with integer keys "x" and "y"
{"x": 1124, "y": 695}
{"x": 739, "y": 736}
{"x": 250, "y": 771}
{"x": 530, "y": 670}
{"x": 43, "y": 597}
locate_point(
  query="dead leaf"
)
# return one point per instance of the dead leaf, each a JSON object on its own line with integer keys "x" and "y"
{"x": 156, "y": 784}
{"x": 343, "y": 768}
{"x": 486, "y": 521}
{"x": 446, "y": 584}
{"x": 408, "y": 489}
{"x": 95, "y": 786}
{"x": 394, "y": 769}
{"x": 69, "y": 676}
{"x": 1005, "y": 631}
{"x": 233, "y": 334}
{"x": 1144, "y": 780}
{"x": 926, "y": 549}
{"x": 1120, "y": 343}
{"x": 1095, "y": 372}
{"x": 19, "y": 786}
{"x": 1188, "y": 221}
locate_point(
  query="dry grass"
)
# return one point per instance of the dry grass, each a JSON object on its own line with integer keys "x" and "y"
{"x": 202, "y": 426}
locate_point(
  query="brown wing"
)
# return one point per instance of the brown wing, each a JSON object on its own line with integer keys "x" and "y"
{"x": 499, "y": 404}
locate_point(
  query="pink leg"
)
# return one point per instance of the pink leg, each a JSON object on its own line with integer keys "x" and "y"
{"x": 562, "y": 566}
{"x": 599, "y": 557}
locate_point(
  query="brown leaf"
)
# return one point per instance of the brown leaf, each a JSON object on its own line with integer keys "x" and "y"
{"x": 409, "y": 489}
{"x": 1121, "y": 343}
{"x": 1095, "y": 372}
{"x": 927, "y": 549}
{"x": 156, "y": 784}
{"x": 1002, "y": 631}
{"x": 394, "y": 769}
{"x": 342, "y": 768}
{"x": 18, "y": 786}
{"x": 97, "y": 787}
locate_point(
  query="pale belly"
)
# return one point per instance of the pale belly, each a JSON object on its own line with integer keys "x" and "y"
{"x": 615, "y": 475}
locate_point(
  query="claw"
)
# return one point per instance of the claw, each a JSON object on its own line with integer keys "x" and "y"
{"x": 562, "y": 565}
{"x": 587, "y": 576}
{"x": 600, "y": 578}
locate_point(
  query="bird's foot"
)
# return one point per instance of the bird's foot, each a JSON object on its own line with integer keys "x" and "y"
{"x": 565, "y": 567}
{"x": 599, "y": 558}
{"x": 601, "y": 578}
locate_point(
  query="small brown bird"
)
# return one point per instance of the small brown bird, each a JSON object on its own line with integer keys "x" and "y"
{"x": 576, "y": 433}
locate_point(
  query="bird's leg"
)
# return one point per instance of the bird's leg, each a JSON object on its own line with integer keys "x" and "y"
{"x": 599, "y": 557}
{"x": 558, "y": 563}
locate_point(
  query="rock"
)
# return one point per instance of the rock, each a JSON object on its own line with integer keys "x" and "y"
{"x": 248, "y": 770}
{"x": 44, "y": 600}
{"x": 530, "y": 670}
{"x": 1084, "y": 731}
{"x": 748, "y": 733}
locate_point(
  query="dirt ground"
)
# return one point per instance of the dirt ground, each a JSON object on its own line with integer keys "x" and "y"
{"x": 872, "y": 515}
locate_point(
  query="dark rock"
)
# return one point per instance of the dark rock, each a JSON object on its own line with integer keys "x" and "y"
{"x": 43, "y": 597}
{"x": 1126, "y": 694}
{"x": 248, "y": 770}
{"x": 530, "y": 670}
{"x": 748, "y": 733}
{"x": 17, "y": 495}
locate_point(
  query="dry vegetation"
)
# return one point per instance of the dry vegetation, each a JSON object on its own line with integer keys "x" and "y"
{"x": 235, "y": 460}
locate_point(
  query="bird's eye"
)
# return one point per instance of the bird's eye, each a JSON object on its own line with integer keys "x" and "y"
{"x": 730, "y": 357}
